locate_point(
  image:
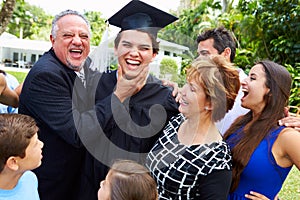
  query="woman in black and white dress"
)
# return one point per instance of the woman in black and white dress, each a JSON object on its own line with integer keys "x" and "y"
{"x": 190, "y": 160}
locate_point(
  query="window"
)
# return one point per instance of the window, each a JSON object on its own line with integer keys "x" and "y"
{"x": 15, "y": 56}
{"x": 33, "y": 58}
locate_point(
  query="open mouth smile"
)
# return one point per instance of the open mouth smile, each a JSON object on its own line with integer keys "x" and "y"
{"x": 133, "y": 62}
{"x": 246, "y": 92}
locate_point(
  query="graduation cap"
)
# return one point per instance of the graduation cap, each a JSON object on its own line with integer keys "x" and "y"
{"x": 137, "y": 15}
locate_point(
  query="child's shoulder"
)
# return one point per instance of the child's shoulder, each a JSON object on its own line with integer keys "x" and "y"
{"x": 28, "y": 176}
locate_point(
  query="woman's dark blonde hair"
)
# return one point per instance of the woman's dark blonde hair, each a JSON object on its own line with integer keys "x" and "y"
{"x": 131, "y": 181}
{"x": 220, "y": 80}
{"x": 278, "y": 80}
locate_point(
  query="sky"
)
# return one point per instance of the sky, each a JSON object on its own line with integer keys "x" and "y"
{"x": 106, "y": 7}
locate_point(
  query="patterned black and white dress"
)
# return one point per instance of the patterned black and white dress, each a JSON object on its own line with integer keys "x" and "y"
{"x": 189, "y": 172}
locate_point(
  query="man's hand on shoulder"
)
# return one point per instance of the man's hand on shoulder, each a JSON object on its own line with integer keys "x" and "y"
{"x": 174, "y": 85}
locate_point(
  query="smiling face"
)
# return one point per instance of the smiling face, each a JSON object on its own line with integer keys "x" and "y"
{"x": 72, "y": 41}
{"x": 33, "y": 154}
{"x": 254, "y": 88}
{"x": 134, "y": 51}
{"x": 193, "y": 100}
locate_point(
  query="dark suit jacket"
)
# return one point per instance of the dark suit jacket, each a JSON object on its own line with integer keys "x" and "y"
{"x": 48, "y": 95}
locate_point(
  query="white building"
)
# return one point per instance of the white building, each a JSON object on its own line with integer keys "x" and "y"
{"x": 20, "y": 52}
{"x": 24, "y": 53}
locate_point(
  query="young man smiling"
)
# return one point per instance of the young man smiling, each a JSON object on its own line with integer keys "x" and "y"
{"x": 132, "y": 106}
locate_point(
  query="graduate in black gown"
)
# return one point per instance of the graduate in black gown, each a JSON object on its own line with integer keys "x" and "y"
{"x": 132, "y": 106}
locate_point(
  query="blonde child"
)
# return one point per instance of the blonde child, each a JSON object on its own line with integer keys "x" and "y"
{"x": 128, "y": 180}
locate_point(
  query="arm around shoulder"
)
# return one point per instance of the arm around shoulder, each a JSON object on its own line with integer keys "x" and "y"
{"x": 291, "y": 121}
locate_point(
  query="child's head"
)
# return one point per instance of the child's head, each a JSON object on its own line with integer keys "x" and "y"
{"x": 20, "y": 148}
{"x": 128, "y": 180}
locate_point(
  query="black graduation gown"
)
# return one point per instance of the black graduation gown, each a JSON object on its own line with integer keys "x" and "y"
{"x": 125, "y": 136}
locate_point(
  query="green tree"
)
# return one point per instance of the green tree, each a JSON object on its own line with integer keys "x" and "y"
{"x": 32, "y": 22}
{"x": 29, "y": 22}
{"x": 42, "y": 22}
{"x": 264, "y": 29}
{"x": 191, "y": 22}
{"x": 295, "y": 91}
{"x": 168, "y": 66}
{"x": 271, "y": 30}
{"x": 98, "y": 26}
{"x": 169, "y": 70}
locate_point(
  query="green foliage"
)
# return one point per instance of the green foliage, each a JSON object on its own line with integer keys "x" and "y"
{"x": 113, "y": 66}
{"x": 295, "y": 91}
{"x": 186, "y": 29}
{"x": 180, "y": 79}
{"x": 97, "y": 26}
{"x": 169, "y": 70}
{"x": 243, "y": 59}
{"x": 168, "y": 66}
{"x": 273, "y": 27}
{"x": 41, "y": 26}
{"x": 36, "y": 24}
{"x": 29, "y": 20}
{"x": 264, "y": 29}
{"x": 270, "y": 30}
{"x": 192, "y": 21}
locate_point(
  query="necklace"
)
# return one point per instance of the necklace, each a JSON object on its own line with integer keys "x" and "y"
{"x": 184, "y": 137}
{"x": 207, "y": 134}
{"x": 194, "y": 137}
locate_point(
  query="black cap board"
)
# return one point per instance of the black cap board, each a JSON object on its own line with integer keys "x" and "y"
{"x": 139, "y": 15}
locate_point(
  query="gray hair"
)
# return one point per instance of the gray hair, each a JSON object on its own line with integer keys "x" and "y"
{"x": 64, "y": 13}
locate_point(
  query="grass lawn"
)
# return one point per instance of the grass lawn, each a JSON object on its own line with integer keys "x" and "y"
{"x": 291, "y": 186}
{"x": 19, "y": 75}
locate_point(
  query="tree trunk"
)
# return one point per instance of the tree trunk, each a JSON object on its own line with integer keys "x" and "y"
{"x": 6, "y": 13}
{"x": 224, "y": 6}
